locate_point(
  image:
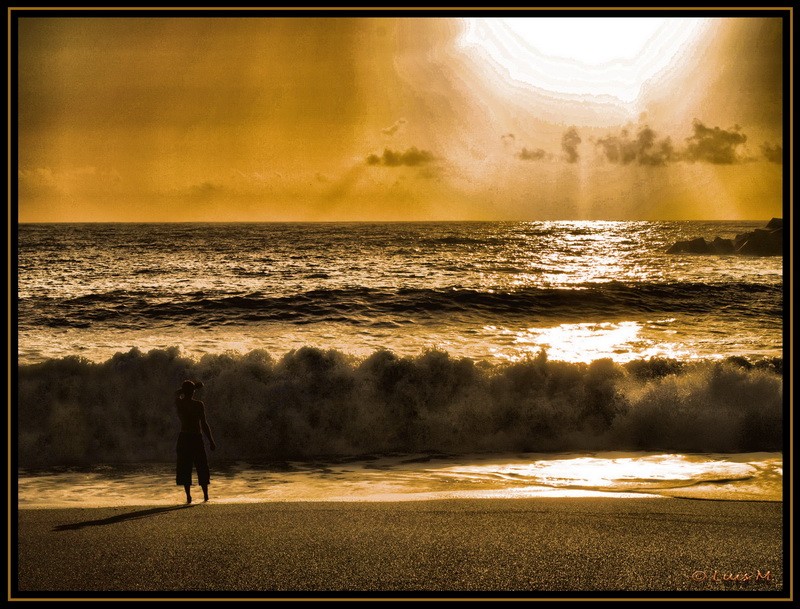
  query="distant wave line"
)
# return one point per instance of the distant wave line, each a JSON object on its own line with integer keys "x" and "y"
{"x": 356, "y": 304}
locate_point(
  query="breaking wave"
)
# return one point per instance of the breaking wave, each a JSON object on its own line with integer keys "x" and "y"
{"x": 314, "y": 403}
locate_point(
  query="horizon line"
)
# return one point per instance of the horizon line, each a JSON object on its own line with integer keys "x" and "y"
{"x": 19, "y": 223}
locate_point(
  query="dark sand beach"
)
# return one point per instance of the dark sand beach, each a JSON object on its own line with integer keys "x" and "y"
{"x": 517, "y": 545}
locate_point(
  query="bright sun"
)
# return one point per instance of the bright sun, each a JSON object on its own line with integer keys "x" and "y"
{"x": 605, "y": 57}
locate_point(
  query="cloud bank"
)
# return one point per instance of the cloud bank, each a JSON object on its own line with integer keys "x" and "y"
{"x": 413, "y": 157}
{"x": 714, "y": 145}
{"x": 644, "y": 149}
{"x": 532, "y": 155}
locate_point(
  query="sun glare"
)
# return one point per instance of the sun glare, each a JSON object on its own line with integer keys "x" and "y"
{"x": 605, "y": 57}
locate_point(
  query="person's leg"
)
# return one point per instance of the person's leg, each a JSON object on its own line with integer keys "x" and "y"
{"x": 201, "y": 464}
{"x": 183, "y": 474}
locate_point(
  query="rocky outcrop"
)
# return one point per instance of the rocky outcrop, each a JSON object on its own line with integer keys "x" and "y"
{"x": 760, "y": 242}
{"x": 693, "y": 246}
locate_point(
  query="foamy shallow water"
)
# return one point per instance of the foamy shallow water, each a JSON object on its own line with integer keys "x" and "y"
{"x": 736, "y": 477}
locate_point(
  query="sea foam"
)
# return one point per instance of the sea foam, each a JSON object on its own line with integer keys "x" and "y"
{"x": 314, "y": 403}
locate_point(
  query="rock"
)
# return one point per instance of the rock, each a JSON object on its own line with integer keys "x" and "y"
{"x": 763, "y": 242}
{"x": 722, "y": 246}
{"x": 760, "y": 242}
{"x": 694, "y": 246}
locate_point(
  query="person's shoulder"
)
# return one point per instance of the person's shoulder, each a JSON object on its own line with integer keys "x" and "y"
{"x": 199, "y": 404}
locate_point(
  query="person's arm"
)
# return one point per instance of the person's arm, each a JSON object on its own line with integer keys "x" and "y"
{"x": 205, "y": 427}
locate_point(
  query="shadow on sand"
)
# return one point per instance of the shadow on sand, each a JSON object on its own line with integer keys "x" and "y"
{"x": 120, "y": 517}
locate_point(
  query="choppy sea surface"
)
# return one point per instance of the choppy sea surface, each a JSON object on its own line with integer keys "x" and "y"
{"x": 582, "y": 290}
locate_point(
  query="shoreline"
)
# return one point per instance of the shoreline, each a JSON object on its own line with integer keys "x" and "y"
{"x": 460, "y": 546}
{"x": 423, "y": 497}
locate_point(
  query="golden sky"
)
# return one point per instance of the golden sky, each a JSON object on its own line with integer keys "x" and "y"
{"x": 273, "y": 119}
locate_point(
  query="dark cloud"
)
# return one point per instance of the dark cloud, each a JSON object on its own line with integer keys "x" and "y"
{"x": 393, "y": 129}
{"x": 706, "y": 145}
{"x": 532, "y": 155}
{"x": 714, "y": 145}
{"x": 644, "y": 149}
{"x": 618, "y": 148}
{"x": 651, "y": 150}
{"x": 773, "y": 153}
{"x": 569, "y": 144}
{"x": 413, "y": 157}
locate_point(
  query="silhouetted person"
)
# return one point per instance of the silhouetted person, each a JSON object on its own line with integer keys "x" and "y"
{"x": 191, "y": 450}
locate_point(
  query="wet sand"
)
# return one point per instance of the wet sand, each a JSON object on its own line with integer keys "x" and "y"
{"x": 460, "y": 546}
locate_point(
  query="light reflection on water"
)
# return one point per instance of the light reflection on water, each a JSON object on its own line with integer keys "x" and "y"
{"x": 700, "y": 338}
{"x": 746, "y": 476}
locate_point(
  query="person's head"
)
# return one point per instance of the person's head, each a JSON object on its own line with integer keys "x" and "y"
{"x": 188, "y": 388}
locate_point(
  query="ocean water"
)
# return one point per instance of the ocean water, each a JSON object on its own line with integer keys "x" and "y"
{"x": 318, "y": 342}
{"x": 582, "y": 290}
